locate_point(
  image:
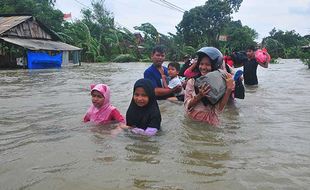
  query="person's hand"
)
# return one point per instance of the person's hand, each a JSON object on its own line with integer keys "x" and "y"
{"x": 184, "y": 83}
{"x": 230, "y": 84}
{"x": 177, "y": 89}
{"x": 203, "y": 91}
{"x": 194, "y": 61}
{"x": 161, "y": 71}
{"x": 116, "y": 131}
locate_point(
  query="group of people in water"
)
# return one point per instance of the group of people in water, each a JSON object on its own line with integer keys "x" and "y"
{"x": 204, "y": 84}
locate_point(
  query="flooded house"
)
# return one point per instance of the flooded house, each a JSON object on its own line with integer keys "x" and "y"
{"x": 25, "y": 42}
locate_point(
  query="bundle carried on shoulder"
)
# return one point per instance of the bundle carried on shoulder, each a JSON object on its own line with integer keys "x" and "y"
{"x": 262, "y": 56}
{"x": 217, "y": 82}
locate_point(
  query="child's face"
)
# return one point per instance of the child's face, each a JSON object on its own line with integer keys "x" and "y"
{"x": 97, "y": 99}
{"x": 205, "y": 66}
{"x": 172, "y": 71}
{"x": 140, "y": 97}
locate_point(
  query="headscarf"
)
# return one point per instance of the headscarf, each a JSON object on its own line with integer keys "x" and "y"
{"x": 100, "y": 115}
{"x": 147, "y": 116}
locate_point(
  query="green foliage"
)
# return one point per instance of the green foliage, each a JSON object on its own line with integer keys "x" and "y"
{"x": 274, "y": 47}
{"x": 240, "y": 37}
{"x": 100, "y": 59}
{"x": 285, "y": 44}
{"x": 124, "y": 58}
{"x": 202, "y": 25}
{"x": 305, "y": 57}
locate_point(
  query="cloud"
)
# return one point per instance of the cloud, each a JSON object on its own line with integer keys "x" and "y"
{"x": 304, "y": 10}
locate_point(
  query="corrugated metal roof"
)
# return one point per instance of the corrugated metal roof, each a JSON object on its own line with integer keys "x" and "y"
{"x": 9, "y": 22}
{"x": 33, "y": 44}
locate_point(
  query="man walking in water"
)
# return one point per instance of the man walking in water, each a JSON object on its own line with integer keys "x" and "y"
{"x": 158, "y": 74}
{"x": 250, "y": 67}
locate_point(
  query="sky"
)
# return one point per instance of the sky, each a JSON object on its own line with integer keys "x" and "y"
{"x": 262, "y": 16}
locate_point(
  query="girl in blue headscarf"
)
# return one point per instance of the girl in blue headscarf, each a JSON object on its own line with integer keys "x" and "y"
{"x": 143, "y": 114}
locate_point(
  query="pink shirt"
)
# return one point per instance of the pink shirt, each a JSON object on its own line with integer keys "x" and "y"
{"x": 114, "y": 115}
{"x": 190, "y": 74}
{"x": 199, "y": 112}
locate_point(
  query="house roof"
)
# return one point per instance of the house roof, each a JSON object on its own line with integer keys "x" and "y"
{"x": 35, "y": 44}
{"x": 8, "y": 22}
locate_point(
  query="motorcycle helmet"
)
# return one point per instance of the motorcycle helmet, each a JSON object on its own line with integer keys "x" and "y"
{"x": 214, "y": 54}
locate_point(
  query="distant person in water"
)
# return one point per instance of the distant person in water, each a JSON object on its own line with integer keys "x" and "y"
{"x": 143, "y": 114}
{"x": 250, "y": 67}
{"x": 187, "y": 64}
{"x": 101, "y": 111}
{"x": 158, "y": 74}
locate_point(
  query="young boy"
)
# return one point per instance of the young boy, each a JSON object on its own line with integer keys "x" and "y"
{"x": 175, "y": 80}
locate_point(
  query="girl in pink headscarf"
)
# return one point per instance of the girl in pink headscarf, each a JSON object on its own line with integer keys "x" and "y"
{"x": 102, "y": 112}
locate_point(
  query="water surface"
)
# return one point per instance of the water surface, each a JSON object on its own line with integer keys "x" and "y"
{"x": 262, "y": 143}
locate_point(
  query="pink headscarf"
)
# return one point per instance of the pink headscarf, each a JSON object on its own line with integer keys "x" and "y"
{"x": 100, "y": 115}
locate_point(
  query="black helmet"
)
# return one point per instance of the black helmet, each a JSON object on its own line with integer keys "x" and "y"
{"x": 214, "y": 54}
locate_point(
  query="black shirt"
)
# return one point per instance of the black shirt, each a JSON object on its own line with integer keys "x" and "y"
{"x": 249, "y": 72}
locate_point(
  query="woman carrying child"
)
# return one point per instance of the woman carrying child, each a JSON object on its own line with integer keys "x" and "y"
{"x": 197, "y": 104}
{"x": 143, "y": 114}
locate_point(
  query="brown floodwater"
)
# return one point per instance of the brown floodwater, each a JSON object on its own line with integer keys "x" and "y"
{"x": 262, "y": 143}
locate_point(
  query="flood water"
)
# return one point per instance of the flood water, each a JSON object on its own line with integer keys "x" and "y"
{"x": 262, "y": 143}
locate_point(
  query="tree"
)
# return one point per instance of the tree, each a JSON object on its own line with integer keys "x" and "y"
{"x": 202, "y": 25}
{"x": 240, "y": 37}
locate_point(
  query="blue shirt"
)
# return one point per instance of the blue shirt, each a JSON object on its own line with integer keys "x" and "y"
{"x": 154, "y": 75}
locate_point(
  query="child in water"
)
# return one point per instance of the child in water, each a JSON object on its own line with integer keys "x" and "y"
{"x": 143, "y": 114}
{"x": 196, "y": 108}
{"x": 101, "y": 111}
{"x": 175, "y": 80}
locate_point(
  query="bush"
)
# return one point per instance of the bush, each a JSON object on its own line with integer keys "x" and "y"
{"x": 122, "y": 58}
{"x": 146, "y": 60}
{"x": 100, "y": 59}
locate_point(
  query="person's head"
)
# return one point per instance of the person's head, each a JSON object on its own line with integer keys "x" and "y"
{"x": 100, "y": 94}
{"x": 143, "y": 92}
{"x": 250, "y": 52}
{"x": 158, "y": 55}
{"x": 209, "y": 59}
{"x": 173, "y": 69}
{"x": 186, "y": 58}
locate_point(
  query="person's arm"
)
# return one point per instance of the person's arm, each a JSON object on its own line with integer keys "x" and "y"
{"x": 86, "y": 118}
{"x": 192, "y": 67}
{"x": 164, "y": 79}
{"x": 203, "y": 91}
{"x": 117, "y": 116}
{"x": 163, "y": 91}
{"x": 265, "y": 65}
{"x": 230, "y": 85}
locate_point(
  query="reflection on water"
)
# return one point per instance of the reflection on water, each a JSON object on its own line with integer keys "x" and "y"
{"x": 262, "y": 142}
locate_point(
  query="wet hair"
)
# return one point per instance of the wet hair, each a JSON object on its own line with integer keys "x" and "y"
{"x": 251, "y": 47}
{"x": 176, "y": 65}
{"x": 159, "y": 48}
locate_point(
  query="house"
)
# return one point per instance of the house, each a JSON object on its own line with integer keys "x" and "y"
{"x": 25, "y": 42}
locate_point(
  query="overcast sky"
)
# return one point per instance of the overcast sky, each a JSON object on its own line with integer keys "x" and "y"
{"x": 260, "y": 15}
